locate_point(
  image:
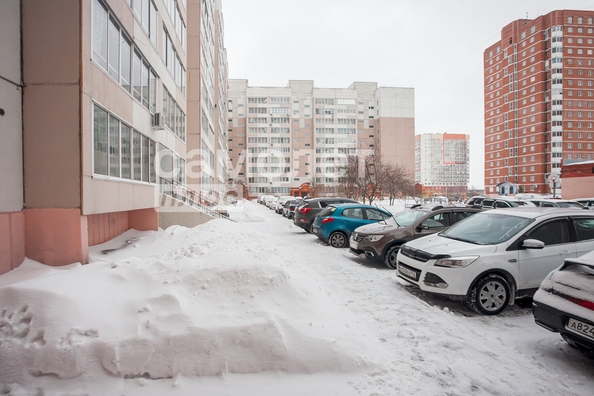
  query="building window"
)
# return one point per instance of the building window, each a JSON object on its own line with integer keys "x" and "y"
{"x": 113, "y": 52}
{"x": 100, "y": 34}
{"x": 116, "y": 153}
{"x": 100, "y": 142}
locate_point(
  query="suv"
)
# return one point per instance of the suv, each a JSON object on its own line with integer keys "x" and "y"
{"x": 587, "y": 202}
{"x": 496, "y": 256}
{"x": 475, "y": 202}
{"x": 557, "y": 203}
{"x": 307, "y": 211}
{"x": 381, "y": 241}
{"x": 497, "y": 203}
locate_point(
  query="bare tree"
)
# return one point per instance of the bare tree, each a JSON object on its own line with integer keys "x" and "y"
{"x": 369, "y": 177}
{"x": 349, "y": 177}
{"x": 400, "y": 183}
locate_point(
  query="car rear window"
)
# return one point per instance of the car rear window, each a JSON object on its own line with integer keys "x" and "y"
{"x": 327, "y": 211}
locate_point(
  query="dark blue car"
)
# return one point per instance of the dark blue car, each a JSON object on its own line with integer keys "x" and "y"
{"x": 335, "y": 223}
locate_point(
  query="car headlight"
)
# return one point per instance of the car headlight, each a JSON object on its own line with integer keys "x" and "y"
{"x": 455, "y": 262}
{"x": 374, "y": 238}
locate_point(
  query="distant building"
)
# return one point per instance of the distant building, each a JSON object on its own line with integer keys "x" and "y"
{"x": 442, "y": 163}
{"x": 103, "y": 121}
{"x": 282, "y": 137}
{"x": 539, "y": 100}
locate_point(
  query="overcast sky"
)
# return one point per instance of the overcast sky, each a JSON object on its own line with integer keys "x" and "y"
{"x": 433, "y": 46}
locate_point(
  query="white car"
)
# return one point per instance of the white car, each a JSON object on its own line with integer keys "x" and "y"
{"x": 565, "y": 302}
{"x": 280, "y": 203}
{"x": 490, "y": 259}
{"x": 557, "y": 203}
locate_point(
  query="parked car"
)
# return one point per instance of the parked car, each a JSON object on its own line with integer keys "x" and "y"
{"x": 500, "y": 202}
{"x": 496, "y": 256}
{"x": 308, "y": 210}
{"x": 335, "y": 223}
{"x": 557, "y": 203}
{"x": 564, "y": 303}
{"x": 381, "y": 241}
{"x": 475, "y": 201}
{"x": 271, "y": 203}
{"x": 280, "y": 203}
{"x": 588, "y": 202}
{"x": 289, "y": 208}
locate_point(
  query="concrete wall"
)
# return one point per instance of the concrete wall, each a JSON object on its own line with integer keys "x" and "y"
{"x": 578, "y": 180}
{"x": 578, "y": 187}
{"x": 12, "y": 219}
{"x": 11, "y": 160}
{"x": 174, "y": 212}
{"x": 51, "y": 72}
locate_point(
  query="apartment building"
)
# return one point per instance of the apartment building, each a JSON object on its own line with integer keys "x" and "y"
{"x": 539, "y": 100}
{"x": 283, "y": 137}
{"x": 442, "y": 163}
{"x": 106, "y": 117}
{"x": 207, "y": 157}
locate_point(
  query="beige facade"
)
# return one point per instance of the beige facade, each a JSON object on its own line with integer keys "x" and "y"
{"x": 282, "y": 137}
{"x": 105, "y": 105}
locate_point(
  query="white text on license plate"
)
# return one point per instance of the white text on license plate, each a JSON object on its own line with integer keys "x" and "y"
{"x": 407, "y": 272}
{"x": 580, "y": 327}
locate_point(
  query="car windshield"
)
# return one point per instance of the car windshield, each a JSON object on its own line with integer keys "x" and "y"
{"x": 487, "y": 228}
{"x": 408, "y": 217}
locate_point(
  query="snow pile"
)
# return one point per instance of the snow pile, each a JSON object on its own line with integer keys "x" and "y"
{"x": 188, "y": 303}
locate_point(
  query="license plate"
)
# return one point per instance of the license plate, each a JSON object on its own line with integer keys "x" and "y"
{"x": 354, "y": 245}
{"x": 406, "y": 272}
{"x": 581, "y": 328}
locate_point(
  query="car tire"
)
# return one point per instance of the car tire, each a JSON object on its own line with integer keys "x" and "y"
{"x": 338, "y": 240}
{"x": 390, "y": 257}
{"x": 490, "y": 295}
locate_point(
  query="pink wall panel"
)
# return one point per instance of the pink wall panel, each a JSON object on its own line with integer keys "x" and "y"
{"x": 12, "y": 240}
{"x": 55, "y": 236}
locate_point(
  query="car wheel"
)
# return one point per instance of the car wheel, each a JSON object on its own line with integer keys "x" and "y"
{"x": 337, "y": 239}
{"x": 390, "y": 258}
{"x": 490, "y": 295}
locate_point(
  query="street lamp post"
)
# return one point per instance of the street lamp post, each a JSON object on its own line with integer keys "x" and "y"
{"x": 554, "y": 180}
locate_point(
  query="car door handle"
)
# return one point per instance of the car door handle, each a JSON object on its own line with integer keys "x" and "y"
{"x": 565, "y": 253}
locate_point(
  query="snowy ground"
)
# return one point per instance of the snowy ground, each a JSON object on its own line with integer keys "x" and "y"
{"x": 260, "y": 307}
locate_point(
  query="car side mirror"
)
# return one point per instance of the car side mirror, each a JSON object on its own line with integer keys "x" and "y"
{"x": 533, "y": 244}
{"x": 422, "y": 227}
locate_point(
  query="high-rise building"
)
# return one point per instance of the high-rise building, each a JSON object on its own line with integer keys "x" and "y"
{"x": 107, "y": 125}
{"x": 539, "y": 100}
{"x": 442, "y": 163}
{"x": 283, "y": 137}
